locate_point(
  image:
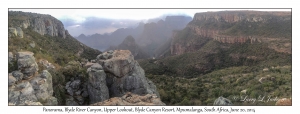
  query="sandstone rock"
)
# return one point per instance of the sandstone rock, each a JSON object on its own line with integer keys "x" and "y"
{"x": 46, "y": 64}
{"x": 131, "y": 99}
{"x": 97, "y": 88}
{"x": 284, "y": 102}
{"x": 27, "y": 64}
{"x": 18, "y": 75}
{"x": 221, "y": 101}
{"x": 120, "y": 64}
{"x": 88, "y": 64}
{"x": 124, "y": 74}
{"x": 20, "y": 93}
{"x": 11, "y": 80}
{"x": 32, "y": 44}
{"x": 42, "y": 86}
{"x": 12, "y": 32}
{"x": 19, "y": 32}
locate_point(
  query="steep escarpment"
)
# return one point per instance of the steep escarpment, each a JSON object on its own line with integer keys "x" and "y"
{"x": 42, "y": 24}
{"x": 238, "y": 27}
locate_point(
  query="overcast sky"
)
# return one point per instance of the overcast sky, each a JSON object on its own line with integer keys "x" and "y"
{"x": 91, "y": 21}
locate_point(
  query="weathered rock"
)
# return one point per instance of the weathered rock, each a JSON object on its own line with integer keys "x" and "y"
{"x": 18, "y": 75}
{"x": 71, "y": 102}
{"x": 73, "y": 86}
{"x": 32, "y": 44}
{"x": 132, "y": 100}
{"x": 10, "y": 57}
{"x": 105, "y": 55}
{"x": 19, "y": 32}
{"x": 221, "y": 101}
{"x": 88, "y": 64}
{"x": 42, "y": 85}
{"x": 12, "y": 32}
{"x": 20, "y": 93}
{"x": 51, "y": 101}
{"x": 11, "y": 80}
{"x": 284, "y": 102}
{"x": 244, "y": 91}
{"x": 31, "y": 103}
{"x": 120, "y": 64}
{"x": 46, "y": 64}
{"x": 97, "y": 88}
{"x": 126, "y": 75}
{"x": 27, "y": 64}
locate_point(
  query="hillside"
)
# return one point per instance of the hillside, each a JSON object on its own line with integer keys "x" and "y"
{"x": 220, "y": 48}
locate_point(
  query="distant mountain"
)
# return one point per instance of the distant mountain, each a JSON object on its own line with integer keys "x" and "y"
{"x": 130, "y": 44}
{"x": 102, "y": 42}
{"x": 149, "y": 35}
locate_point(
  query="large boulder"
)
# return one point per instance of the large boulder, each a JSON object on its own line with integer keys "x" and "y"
{"x": 120, "y": 63}
{"x": 124, "y": 74}
{"x": 97, "y": 88}
{"x": 131, "y": 99}
{"x": 221, "y": 101}
{"x": 27, "y": 64}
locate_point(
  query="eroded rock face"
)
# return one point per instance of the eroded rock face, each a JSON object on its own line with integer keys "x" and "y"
{"x": 28, "y": 89}
{"x": 221, "y": 101}
{"x": 27, "y": 64}
{"x": 124, "y": 74}
{"x": 132, "y": 100}
{"x": 97, "y": 88}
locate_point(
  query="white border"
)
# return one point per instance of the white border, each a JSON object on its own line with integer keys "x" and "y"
{"x": 149, "y": 4}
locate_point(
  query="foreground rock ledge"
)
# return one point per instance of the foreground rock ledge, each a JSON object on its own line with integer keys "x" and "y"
{"x": 130, "y": 99}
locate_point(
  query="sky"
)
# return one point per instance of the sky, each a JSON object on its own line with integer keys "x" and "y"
{"x": 91, "y": 21}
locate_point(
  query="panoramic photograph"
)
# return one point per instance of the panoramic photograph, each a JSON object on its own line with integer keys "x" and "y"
{"x": 149, "y": 57}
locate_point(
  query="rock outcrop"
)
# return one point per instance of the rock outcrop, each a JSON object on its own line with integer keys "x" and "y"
{"x": 221, "y": 101}
{"x": 132, "y": 100}
{"x": 26, "y": 86}
{"x": 15, "y": 31}
{"x": 124, "y": 74}
{"x": 27, "y": 64}
{"x": 97, "y": 88}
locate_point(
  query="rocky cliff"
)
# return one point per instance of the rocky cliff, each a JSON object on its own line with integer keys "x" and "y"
{"x": 112, "y": 74}
{"x": 27, "y": 86}
{"x": 42, "y": 24}
{"x": 237, "y": 27}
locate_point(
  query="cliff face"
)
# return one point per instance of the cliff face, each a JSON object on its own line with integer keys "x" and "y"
{"x": 43, "y": 24}
{"x": 237, "y": 27}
